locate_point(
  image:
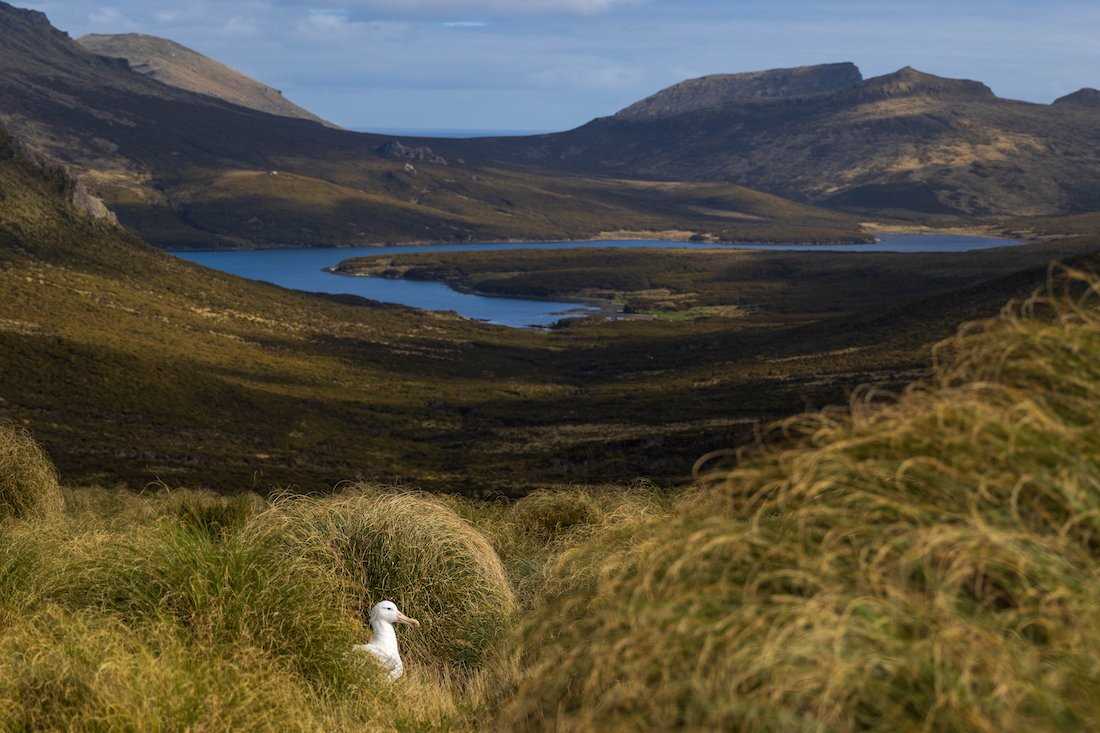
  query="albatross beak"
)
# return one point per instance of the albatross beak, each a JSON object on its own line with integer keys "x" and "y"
{"x": 403, "y": 619}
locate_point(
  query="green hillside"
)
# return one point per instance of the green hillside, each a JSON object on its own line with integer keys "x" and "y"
{"x": 916, "y": 561}
{"x": 133, "y": 366}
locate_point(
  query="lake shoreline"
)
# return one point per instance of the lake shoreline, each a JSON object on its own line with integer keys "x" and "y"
{"x": 611, "y": 236}
{"x": 568, "y": 298}
{"x": 602, "y": 307}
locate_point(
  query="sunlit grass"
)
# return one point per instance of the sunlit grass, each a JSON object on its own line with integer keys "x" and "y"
{"x": 925, "y": 561}
{"x": 28, "y": 480}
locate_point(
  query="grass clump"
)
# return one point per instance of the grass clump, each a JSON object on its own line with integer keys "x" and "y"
{"x": 156, "y": 623}
{"x": 235, "y": 590}
{"x": 416, "y": 551}
{"x": 218, "y": 517}
{"x": 928, "y": 563}
{"x": 82, "y": 671}
{"x": 28, "y": 481}
{"x": 545, "y": 516}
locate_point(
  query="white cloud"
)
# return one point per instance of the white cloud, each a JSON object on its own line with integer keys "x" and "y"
{"x": 335, "y": 25}
{"x": 239, "y": 27}
{"x": 465, "y": 24}
{"x": 502, "y": 7}
{"x": 110, "y": 18}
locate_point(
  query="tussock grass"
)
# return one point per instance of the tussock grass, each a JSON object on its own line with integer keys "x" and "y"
{"x": 927, "y": 563}
{"x": 23, "y": 559}
{"x": 242, "y": 589}
{"x": 120, "y": 509}
{"x": 532, "y": 532}
{"x": 28, "y": 481}
{"x": 163, "y": 626}
{"x": 414, "y": 550}
{"x": 547, "y": 515}
{"x": 85, "y": 672}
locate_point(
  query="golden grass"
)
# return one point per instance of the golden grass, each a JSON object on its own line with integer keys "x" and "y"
{"x": 28, "y": 480}
{"x": 411, "y": 549}
{"x": 65, "y": 671}
{"x": 922, "y": 564}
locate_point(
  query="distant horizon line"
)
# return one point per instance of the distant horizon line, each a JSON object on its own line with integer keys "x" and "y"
{"x": 456, "y": 132}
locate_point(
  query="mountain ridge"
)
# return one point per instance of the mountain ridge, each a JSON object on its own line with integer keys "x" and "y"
{"x": 908, "y": 143}
{"x": 191, "y": 171}
{"x": 717, "y": 90}
{"x": 178, "y": 66}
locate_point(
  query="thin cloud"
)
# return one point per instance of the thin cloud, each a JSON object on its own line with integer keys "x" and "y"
{"x": 110, "y": 17}
{"x": 331, "y": 25}
{"x": 496, "y": 7}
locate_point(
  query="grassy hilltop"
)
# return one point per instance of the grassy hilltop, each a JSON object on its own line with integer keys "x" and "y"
{"x": 919, "y": 561}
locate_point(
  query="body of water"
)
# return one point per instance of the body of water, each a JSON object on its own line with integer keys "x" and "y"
{"x": 305, "y": 269}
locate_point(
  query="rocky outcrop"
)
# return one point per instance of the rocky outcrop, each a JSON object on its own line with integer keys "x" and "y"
{"x": 910, "y": 82}
{"x": 717, "y": 91}
{"x": 422, "y": 154}
{"x": 66, "y": 182}
{"x": 1086, "y": 98}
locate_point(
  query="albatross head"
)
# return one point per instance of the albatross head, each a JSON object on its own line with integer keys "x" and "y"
{"x": 386, "y": 612}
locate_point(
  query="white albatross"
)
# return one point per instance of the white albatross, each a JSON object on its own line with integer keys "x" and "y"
{"x": 383, "y": 646}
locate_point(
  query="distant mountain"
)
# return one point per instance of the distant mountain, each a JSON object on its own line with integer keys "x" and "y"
{"x": 192, "y": 170}
{"x": 904, "y": 142}
{"x": 715, "y": 92}
{"x": 178, "y": 66}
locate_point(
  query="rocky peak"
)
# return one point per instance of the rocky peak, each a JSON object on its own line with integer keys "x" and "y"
{"x": 717, "y": 91}
{"x": 1088, "y": 98}
{"x": 28, "y": 31}
{"x": 910, "y": 82}
{"x": 30, "y": 45}
{"x": 30, "y": 18}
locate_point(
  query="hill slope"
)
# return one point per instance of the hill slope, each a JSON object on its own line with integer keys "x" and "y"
{"x": 191, "y": 170}
{"x": 178, "y": 66}
{"x": 906, "y": 141}
{"x": 131, "y": 365}
{"x": 1087, "y": 98}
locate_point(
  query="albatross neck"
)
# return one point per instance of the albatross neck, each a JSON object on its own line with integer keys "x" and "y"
{"x": 385, "y": 635}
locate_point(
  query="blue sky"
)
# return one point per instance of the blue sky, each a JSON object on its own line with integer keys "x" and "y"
{"x": 555, "y": 64}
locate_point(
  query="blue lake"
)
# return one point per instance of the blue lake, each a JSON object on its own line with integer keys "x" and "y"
{"x": 305, "y": 269}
